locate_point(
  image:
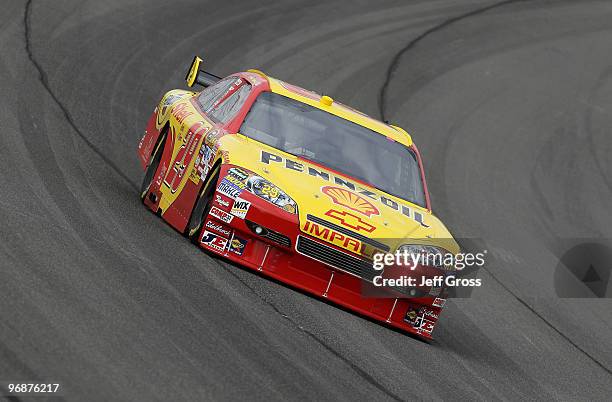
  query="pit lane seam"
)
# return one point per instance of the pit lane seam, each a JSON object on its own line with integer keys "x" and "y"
{"x": 42, "y": 77}
{"x": 371, "y": 380}
{"x": 393, "y": 65}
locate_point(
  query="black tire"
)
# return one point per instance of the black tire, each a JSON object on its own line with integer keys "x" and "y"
{"x": 152, "y": 168}
{"x": 202, "y": 205}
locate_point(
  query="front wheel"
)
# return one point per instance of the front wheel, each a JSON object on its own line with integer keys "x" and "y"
{"x": 202, "y": 206}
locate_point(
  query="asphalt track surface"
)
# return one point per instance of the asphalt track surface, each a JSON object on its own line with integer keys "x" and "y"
{"x": 510, "y": 104}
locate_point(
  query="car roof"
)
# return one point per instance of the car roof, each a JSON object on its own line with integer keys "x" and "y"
{"x": 336, "y": 108}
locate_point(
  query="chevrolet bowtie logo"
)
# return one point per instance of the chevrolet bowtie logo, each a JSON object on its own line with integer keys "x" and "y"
{"x": 349, "y": 220}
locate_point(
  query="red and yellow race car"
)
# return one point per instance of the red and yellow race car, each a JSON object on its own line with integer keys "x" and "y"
{"x": 294, "y": 185}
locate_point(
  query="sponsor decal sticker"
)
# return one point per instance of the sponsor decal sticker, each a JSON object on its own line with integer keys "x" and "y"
{"x": 269, "y": 158}
{"x": 238, "y": 173}
{"x": 237, "y": 245}
{"x": 208, "y": 154}
{"x": 423, "y": 319}
{"x": 221, "y": 215}
{"x": 194, "y": 175}
{"x": 219, "y": 228}
{"x": 411, "y": 316}
{"x": 212, "y": 138}
{"x": 422, "y": 324}
{"x": 350, "y": 220}
{"x": 332, "y": 236}
{"x": 236, "y": 181}
{"x": 203, "y": 161}
{"x": 240, "y": 208}
{"x": 229, "y": 189}
{"x": 185, "y": 155}
{"x": 182, "y": 111}
{"x": 350, "y": 200}
{"x": 429, "y": 313}
{"x": 222, "y": 201}
{"x": 214, "y": 240}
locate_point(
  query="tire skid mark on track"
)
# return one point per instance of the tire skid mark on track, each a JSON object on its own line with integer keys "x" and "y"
{"x": 469, "y": 355}
{"x": 68, "y": 117}
{"x": 393, "y": 65}
{"x": 66, "y": 113}
{"x": 42, "y": 76}
{"x": 396, "y": 59}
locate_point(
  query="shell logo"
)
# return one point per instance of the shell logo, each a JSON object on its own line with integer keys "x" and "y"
{"x": 350, "y": 200}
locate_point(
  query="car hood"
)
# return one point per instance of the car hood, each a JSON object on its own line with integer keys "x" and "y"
{"x": 336, "y": 198}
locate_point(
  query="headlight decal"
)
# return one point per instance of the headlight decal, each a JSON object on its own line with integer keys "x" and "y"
{"x": 271, "y": 193}
{"x": 242, "y": 179}
{"x": 432, "y": 255}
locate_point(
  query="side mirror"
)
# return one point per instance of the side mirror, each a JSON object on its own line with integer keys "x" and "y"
{"x": 195, "y": 75}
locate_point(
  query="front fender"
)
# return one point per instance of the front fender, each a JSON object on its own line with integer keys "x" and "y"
{"x": 156, "y": 123}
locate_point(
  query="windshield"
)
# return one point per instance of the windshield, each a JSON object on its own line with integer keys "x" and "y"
{"x": 303, "y": 130}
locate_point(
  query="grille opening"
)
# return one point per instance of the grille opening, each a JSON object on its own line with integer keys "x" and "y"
{"x": 337, "y": 259}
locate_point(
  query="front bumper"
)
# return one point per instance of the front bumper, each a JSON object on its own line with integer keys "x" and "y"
{"x": 282, "y": 252}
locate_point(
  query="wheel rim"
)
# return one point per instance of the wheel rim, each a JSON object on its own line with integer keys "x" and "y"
{"x": 199, "y": 212}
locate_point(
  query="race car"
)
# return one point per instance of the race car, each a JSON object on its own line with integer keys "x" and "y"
{"x": 295, "y": 186}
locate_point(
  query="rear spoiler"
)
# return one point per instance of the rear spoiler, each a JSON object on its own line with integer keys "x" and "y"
{"x": 197, "y": 76}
